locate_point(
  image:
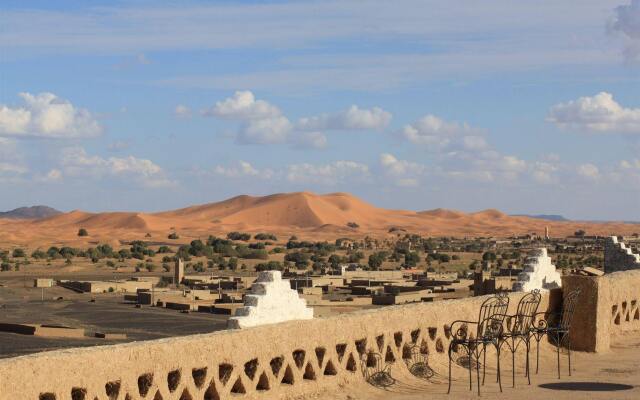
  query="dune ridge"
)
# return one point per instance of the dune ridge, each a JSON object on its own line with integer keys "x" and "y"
{"x": 302, "y": 213}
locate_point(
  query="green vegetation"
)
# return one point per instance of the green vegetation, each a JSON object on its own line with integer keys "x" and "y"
{"x": 83, "y": 232}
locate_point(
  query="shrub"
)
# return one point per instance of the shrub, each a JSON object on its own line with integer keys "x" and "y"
{"x": 18, "y": 253}
{"x": 238, "y": 236}
{"x": 265, "y": 236}
{"x": 173, "y": 236}
{"x": 39, "y": 254}
{"x": 83, "y": 232}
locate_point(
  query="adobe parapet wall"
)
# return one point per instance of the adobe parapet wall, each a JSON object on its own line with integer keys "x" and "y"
{"x": 290, "y": 358}
{"x": 609, "y": 306}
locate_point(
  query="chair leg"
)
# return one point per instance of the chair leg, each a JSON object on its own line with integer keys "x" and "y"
{"x": 527, "y": 367}
{"x": 569, "y": 351}
{"x": 449, "y": 390}
{"x": 478, "y": 370}
{"x": 537, "y": 354}
{"x": 513, "y": 368}
{"x": 470, "y": 367}
{"x": 499, "y": 378}
{"x": 484, "y": 365}
{"x": 558, "y": 353}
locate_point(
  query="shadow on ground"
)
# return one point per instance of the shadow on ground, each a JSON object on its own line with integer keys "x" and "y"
{"x": 586, "y": 386}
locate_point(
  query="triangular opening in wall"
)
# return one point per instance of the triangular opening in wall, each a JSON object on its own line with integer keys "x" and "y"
{"x": 287, "y": 377}
{"x": 389, "y": 357}
{"x": 128, "y": 397}
{"x": 186, "y": 395}
{"x": 320, "y": 352}
{"x": 330, "y": 369}
{"x": 298, "y": 358}
{"x": 433, "y": 331}
{"x": 199, "y": 375}
{"x": 380, "y": 342}
{"x": 78, "y": 393}
{"x": 276, "y": 364}
{"x": 309, "y": 373}
{"x": 340, "y": 349}
{"x": 224, "y": 372}
{"x": 636, "y": 316}
{"x": 397, "y": 338}
{"x": 211, "y": 393}
{"x": 250, "y": 368}
{"x": 112, "y": 389}
{"x": 351, "y": 364}
{"x": 263, "y": 382}
{"x": 361, "y": 346}
{"x": 415, "y": 334}
{"x": 424, "y": 347}
{"x": 627, "y": 317}
{"x": 158, "y": 396}
{"x": 238, "y": 387}
{"x": 407, "y": 352}
{"x": 173, "y": 380}
{"x": 144, "y": 384}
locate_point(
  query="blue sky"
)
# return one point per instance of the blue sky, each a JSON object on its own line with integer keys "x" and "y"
{"x": 528, "y": 108}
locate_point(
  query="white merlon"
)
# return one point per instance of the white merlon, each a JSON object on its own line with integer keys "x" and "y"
{"x": 538, "y": 273}
{"x": 619, "y": 257}
{"x": 271, "y": 300}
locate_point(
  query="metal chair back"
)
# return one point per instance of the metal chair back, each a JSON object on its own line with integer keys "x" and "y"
{"x": 491, "y": 317}
{"x": 568, "y": 307}
{"x": 525, "y": 315}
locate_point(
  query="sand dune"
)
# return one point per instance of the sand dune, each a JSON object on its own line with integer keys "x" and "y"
{"x": 305, "y": 214}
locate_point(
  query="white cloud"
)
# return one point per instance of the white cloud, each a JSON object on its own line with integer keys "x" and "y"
{"x": 401, "y": 172}
{"x": 627, "y": 23}
{"x": 327, "y": 174}
{"x": 264, "y": 131}
{"x": 310, "y": 140}
{"x": 600, "y": 113}
{"x": 243, "y": 169}
{"x": 243, "y": 106}
{"x": 543, "y": 172}
{"x": 11, "y": 163}
{"x": 182, "y": 111}
{"x": 353, "y": 118}
{"x": 76, "y": 162}
{"x": 588, "y": 171}
{"x": 434, "y": 131}
{"x": 48, "y": 116}
{"x": 262, "y": 123}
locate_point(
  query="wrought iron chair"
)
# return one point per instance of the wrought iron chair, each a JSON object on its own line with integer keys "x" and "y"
{"x": 376, "y": 371}
{"x": 518, "y": 330}
{"x": 557, "y": 327}
{"x": 489, "y": 328}
{"x": 417, "y": 362}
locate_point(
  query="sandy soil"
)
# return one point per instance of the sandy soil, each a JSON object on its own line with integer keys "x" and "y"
{"x": 304, "y": 214}
{"x": 612, "y": 375}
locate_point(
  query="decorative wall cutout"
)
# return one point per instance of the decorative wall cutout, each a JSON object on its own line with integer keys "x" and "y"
{"x": 78, "y": 393}
{"x": 173, "y": 380}
{"x": 199, "y": 376}
{"x": 112, "y": 389}
{"x": 144, "y": 383}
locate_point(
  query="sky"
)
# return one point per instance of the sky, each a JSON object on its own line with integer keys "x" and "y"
{"x": 527, "y": 107}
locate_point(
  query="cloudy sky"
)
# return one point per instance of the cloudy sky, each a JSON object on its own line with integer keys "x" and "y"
{"x": 528, "y": 107}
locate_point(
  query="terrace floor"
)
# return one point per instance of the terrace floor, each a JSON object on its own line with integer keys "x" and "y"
{"x": 611, "y": 375}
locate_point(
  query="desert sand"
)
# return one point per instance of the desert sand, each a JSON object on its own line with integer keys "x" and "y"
{"x": 305, "y": 214}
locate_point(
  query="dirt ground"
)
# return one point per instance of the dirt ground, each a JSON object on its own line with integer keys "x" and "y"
{"x": 612, "y": 375}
